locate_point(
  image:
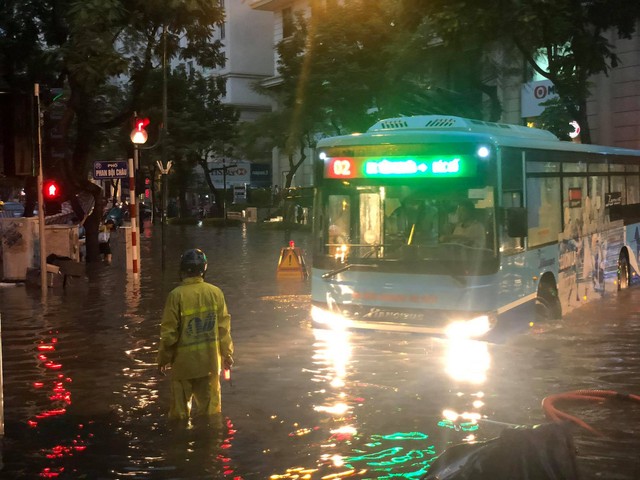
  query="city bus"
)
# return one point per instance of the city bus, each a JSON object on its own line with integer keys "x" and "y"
{"x": 554, "y": 225}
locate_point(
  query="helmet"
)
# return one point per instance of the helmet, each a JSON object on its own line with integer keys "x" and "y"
{"x": 193, "y": 262}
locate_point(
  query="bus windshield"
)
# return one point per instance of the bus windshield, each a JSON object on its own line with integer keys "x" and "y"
{"x": 410, "y": 227}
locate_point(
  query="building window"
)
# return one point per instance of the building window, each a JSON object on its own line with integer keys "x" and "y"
{"x": 287, "y": 22}
{"x": 544, "y": 210}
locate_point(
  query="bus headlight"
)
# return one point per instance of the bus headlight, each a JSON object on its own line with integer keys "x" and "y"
{"x": 473, "y": 328}
{"x": 327, "y": 318}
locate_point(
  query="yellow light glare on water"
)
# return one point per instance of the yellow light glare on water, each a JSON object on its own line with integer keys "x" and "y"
{"x": 450, "y": 415}
{"x": 337, "y": 409}
{"x": 344, "y": 430}
{"x": 453, "y": 416}
{"x": 333, "y": 353}
{"x": 467, "y": 360}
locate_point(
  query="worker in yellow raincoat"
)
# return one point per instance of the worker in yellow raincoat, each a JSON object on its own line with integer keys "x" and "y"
{"x": 195, "y": 341}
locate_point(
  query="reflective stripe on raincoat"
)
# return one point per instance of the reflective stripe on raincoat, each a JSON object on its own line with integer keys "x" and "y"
{"x": 196, "y": 330}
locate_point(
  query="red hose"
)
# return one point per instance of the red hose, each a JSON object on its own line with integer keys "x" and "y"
{"x": 553, "y": 413}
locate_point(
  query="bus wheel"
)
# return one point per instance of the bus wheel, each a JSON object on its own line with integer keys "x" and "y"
{"x": 623, "y": 272}
{"x": 548, "y": 304}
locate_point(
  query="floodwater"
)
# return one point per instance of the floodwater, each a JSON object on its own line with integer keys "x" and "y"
{"x": 83, "y": 400}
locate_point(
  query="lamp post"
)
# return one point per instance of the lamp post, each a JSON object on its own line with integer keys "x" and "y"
{"x": 163, "y": 152}
{"x": 163, "y": 219}
{"x": 224, "y": 169}
{"x": 138, "y": 137}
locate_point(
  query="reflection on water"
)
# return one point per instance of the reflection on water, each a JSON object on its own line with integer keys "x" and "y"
{"x": 344, "y": 451}
{"x": 83, "y": 398}
{"x": 467, "y": 360}
{"x": 332, "y": 355}
{"x": 55, "y": 389}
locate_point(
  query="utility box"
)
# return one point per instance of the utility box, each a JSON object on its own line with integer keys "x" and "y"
{"x": 62, "y": 240}
{"x": 252, "y": 214}
{"x": 20, "y": 247}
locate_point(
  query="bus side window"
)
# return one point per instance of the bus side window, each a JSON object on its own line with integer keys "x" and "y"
{"x": 508, "y": 244}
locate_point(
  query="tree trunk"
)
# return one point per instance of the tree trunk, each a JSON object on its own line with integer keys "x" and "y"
{"x": 217, "y": 195}
{"x": 184, "y": 208}
{"x": 583, "y": 121}
{"x": 74, "y": 168}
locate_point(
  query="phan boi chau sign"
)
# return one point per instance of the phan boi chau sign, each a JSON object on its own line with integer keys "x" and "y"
{"x": 109, "y": 170}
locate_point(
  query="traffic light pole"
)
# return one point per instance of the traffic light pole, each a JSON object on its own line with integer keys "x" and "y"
{"x": 223, "y": 169}
{"x": 163, "y": 219}
{"x": 41, "y": 223}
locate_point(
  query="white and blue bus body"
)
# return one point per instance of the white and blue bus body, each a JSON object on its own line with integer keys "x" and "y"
{"x": 560, "y": 225}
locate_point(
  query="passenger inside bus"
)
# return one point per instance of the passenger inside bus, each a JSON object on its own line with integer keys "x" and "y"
{"x": 468, "y": 229}
{"x": 338, "y": 232}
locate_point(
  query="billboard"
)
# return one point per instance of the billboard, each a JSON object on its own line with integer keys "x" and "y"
{"x": 240, "y": 173}
{"x": 533, "y": 95}
{"x": 261, "y": 175}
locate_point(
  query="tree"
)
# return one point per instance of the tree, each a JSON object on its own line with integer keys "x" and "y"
{"x": 333, "y": 78}
{"x": 289, "y": 127}
{"x": 570, "y": 37}
{"x": 347, "y": 66}
{"x": 201, "y": 127}
{"x": 89, "y": 48}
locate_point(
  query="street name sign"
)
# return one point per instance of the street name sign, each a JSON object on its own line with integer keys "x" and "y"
{"x": 107, "y": 170}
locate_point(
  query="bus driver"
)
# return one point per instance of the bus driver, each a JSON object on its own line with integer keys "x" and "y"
{"x": 414, "y": 221}
{"x": 468, "y": 229}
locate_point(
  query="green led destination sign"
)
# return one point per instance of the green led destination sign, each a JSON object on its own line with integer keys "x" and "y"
{"x": 419, "y": 166}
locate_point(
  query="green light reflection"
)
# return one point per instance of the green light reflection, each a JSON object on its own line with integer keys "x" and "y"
{"x": 412, "y": 459}
{"x": 463, "y": 426}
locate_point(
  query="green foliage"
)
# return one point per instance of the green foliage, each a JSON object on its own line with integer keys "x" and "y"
{"x": 571, "y": 35}
{"x": 353, "y": 63}
{"x": 556, "y": 119}
{"x": 335, "y": 79}
{"x": 104, "y": 53}
{"x": 335, "y": 67}
{"x": 198, "y": 122}
{"x": 260, "y": 197}
{"x": 199, "y": 125}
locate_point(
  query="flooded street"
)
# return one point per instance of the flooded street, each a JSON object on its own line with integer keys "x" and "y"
{"x": 83, "y": 399}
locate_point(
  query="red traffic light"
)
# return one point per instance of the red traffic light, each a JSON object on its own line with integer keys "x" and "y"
{"x": 51, "y": 190}
{"x": 139, "y": 134}
{"x": 141, "y": 123}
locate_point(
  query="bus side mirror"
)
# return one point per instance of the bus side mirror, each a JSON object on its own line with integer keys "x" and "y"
{"x": 516, "y": 219}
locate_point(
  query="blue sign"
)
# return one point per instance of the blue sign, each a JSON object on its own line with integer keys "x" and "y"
{"x": 107, "y": 170}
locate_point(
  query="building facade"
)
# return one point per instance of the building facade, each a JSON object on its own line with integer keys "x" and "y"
{"x": 282, "y": 14}
{"x": 613, "y": 107}
{"x": 246, "y": 36}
